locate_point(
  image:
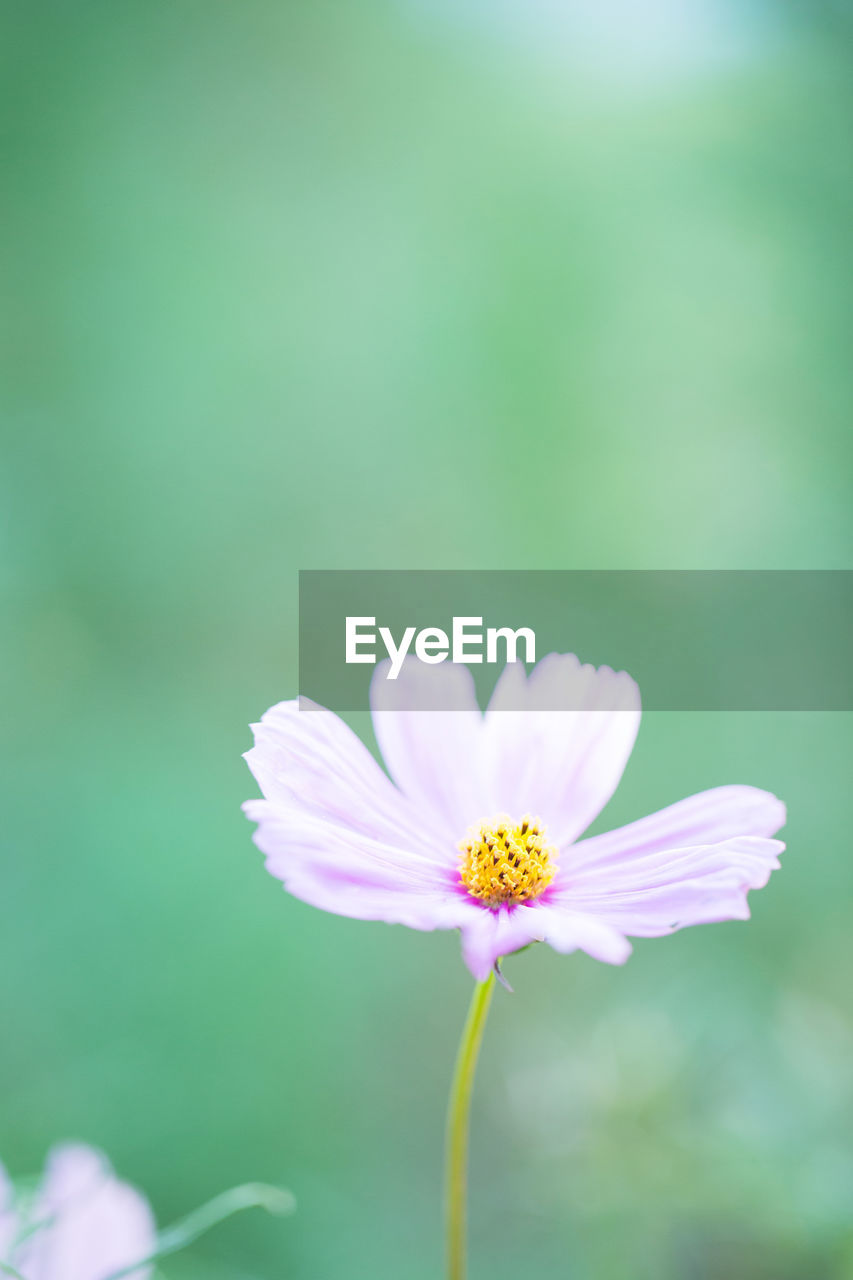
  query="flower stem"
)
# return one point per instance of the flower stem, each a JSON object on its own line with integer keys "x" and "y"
{"x": 252, "y": 1195}
{"x": 458, "y": 1114}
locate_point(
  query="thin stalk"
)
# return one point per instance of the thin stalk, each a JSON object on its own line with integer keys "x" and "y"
{"x": 252, "y": 1195}
{"x": 458, "y": 1124}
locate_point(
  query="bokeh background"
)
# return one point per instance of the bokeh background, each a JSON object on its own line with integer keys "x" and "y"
{"x": 412, "y": 283}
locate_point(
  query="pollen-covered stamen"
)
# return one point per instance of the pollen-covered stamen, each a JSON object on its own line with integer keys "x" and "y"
{"x": 503, "y": 861}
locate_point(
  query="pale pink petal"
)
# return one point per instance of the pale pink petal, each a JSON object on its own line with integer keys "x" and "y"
{"x": 308, "y": 758}
{"x": 97, "y": 1224}
{"x": 566, "y": 930}
{"x": 352, "y": 874}
{"x": 339, "y": 834}
{"x": 706, "y": 818}
{"x": 525, "y": 756}
{"x": 8, "y": 1217}
{"x": 562, "y": 766}
{"x": 487, "y": 935}
{"x": 436, "y": 757}
{"x": 660, "y": 892}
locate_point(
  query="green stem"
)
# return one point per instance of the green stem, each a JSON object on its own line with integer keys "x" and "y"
{"x": 456, "y": 1167}
{"x": 252, "y": 1195}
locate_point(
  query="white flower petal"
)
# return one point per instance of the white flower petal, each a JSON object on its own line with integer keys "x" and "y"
{"x": 561, "y": 766}
{"x": 307, "y": 759}
{"x": 8, "y": 1217}
{"x": 351, "y": 873}
{"x": 436, "y": 757}
{"x": 566, "y": 930}
{"x": 488, "y": 935}
{"x": 99, "y": 1224}
{"x": 705, "y": 818}
{"x": 667, "y": 890}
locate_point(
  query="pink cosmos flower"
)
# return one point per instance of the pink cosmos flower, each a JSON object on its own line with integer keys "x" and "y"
{"x": 82, "y": 1223}
{"x": 482, "y": 830}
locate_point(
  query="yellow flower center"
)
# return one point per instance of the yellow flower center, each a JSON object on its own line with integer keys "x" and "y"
{"x": 504, "y": 861}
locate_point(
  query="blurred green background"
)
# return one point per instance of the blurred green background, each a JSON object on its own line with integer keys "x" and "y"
{"x": 422, "y": 283}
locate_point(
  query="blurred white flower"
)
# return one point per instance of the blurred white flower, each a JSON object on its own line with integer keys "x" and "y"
{"x": 82, "y": 1223}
